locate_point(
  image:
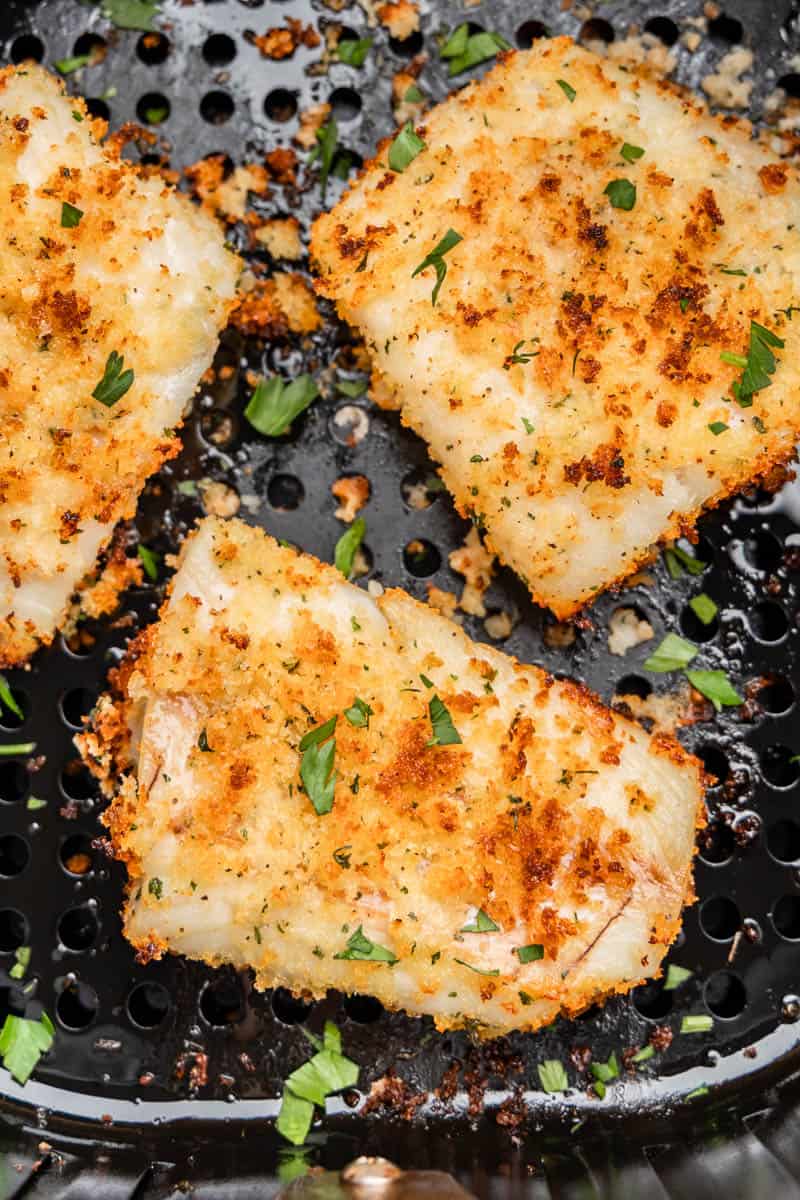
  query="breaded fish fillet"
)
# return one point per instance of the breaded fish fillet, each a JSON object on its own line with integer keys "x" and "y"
{"x": 103, "y": 272}
{"x": 616, "y": 241}
{"x": 346, "y": 792}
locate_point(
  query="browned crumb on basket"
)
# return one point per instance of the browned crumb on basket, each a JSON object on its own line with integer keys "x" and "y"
{"x": 281, "y": 42}
{"x": 270, "y": 307}
{"x": 282, "y": 165}
{"x": 223, "y": 192}
{"x": 392, "y": 1094}
{"x": 118, "y": 574}
{"x": 353, "y": 492}
{"x": 444, "y": 602}
{"x": 311, "y": 119}
{"x": 476, "y": 564}
{"x": 401, "y": 18}
{"x": 280, "y": 237}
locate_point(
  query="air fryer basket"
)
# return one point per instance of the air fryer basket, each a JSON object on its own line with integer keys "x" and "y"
{"x": 161, "y": 1076}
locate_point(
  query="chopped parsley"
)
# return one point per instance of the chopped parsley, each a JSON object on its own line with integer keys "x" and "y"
{"x": 326, "y": 1072}
{"x": 33, "y": 804}
{"x": 482, "y": 923}
{"x": 405, "y": 148}
{"x": 17, "y": 748}
{"x": 361, "y": 949}
{"x": 621, "y": 193}
{"x": 131, "y": 14}
{"x": 352, "y": 387}
{"x": 567, "y": 89}
{"x": 317, "y": 754}
{"x": 703, "y": 608}
{"x": 319, "y": 734}
{"x": 552, "y": 1076}
{"x": 673, "y": 654}
{"x": 70, "y": 216}
{"x": 413, "y": 95}
{"x": 675, "y": 977}
{"x": 677, "y": 560}
{"x": 631, "y": 153}
{"x": 7, "y": 698}
{"x": 520, "y": 356}
{"x": 436, "y": 260}
{"x": 527, "y": 426}
{"x": 717, "y": 427}
{"x": 463, "y": 49}
{"x": 716, "y": 687}
{"x": 115, "y": 382}
{"x": 427, "y": 682}
{"x": 353, "y": 51}
{"x": 155, "y": 887}
{"x": 23, "y": 1042}
{"x": 149, "y": 560}
{"x": 342, "y": 857}
{"x": 202, "y": 742}
{"x": 697, "y": 1023}
{"x": 605, "y": 1072}
{"x": 359, "y": 713}
{"x": 759, "y": 425}
{"x": 703, "y": 1090}
{"x": 444, "y": 731}
{"x": 275, "y": 404}
{"x": 325, "y": 151}
{"x": 22, "y": 956}
{"x": 644, "y": 1054}
{"x": 758, "y": 365}
{"x": 530, "y": 953}
{"x": 66, "y": 66}
{"x": 344, "y": 555}
{"x": 477, "y": 970}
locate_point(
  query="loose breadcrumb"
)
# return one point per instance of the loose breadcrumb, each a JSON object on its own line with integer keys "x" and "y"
{"x": 401, "y": 18}
{"x": 476, "y": 564}
{"x": 281, "y": 238}
{"x": 281, "y": 42}
{"x": 627, "y": 629}
{"x": 353, "y": 492}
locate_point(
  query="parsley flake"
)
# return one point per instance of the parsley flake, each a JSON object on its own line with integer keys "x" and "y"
{"x": 359, "y": 713}
{"x": 318, "y": 751}
{"x": 463, "y": 49}
{"x": 70, "y": 216}
{"x": 14, "y": 748}
{"x": 697, "y": 1023}
{"x": 757, "y": 366}
{"x": 23, "y": 1042}
{"x": 678, "y": 560}
{"x": 7, "y": 698}
{"x": 631, "y": 153}
{"x": 621, "y": 193}
{"x": 353, "y": 51}
{"x": 671, "y": 655}
{"x": 275, "y": 403}
{"x": 115, "y": 382}
{"x": 155, "y": 887}
{"x": 344, "y": 554}
{"x": 361, "y": 949}
{"x": 703, "y": 608}
{"x": 436, "y": 260}
{"x": 149, "y": 560}
{"x": 22, "y": 956}
{"x": 477, "y": 970}
{"x": 481, "y": 923}
{"x": 567, "y": 89}
{"x": 66, "y": 66}
{"x": 444, "y": 731}
{"x": 131, "y": 14}
{"x": 405, "y": 148}
{"x": 717, "y": 427}
{"x": 530, "y": 953}
{"x": 325, "y": 150}
{"x": 326, "y": 1072}
{"x": 675, "y": 977}
{"x": 716, "y": 687}
{"x": 552, "y": 1076}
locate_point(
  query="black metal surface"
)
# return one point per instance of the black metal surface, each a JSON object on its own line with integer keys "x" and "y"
{"x": 132, "y": 1041}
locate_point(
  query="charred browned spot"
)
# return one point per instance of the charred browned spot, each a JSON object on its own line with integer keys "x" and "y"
{"x": 589, "y": 230}
{"x": 706, "y": 217}
{"x": 473, "y": 316}
{"x": 773, "y": 177}
{"x": 676, "y": 295}
{"x": 666, "y": 412}
{"x": 510, "y": 452}
{"x": 658, "y": 179}
{"x": 418, "y": 765}
{"x": 387, "y": 181}
{"x": 69, "y": 525}
{"x": 240, "y": 640}
{"x": 349, "y": 247}
{"x": 675, "y": 363}
{"x": 281, "y": 164}
{"x": 21, "y": 124}
{"x": 240, "y": 775}
{"x": 549, "y": 183}
{"x": 573, "y": 314}
{"x": 606, "y": 465}
{"x": 64, "y": 311}
{"x": 589, "y": 369}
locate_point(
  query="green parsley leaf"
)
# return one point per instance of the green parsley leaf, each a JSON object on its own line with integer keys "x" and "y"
{"x": 759, "y": 365}
{"x": 703, "y": 608}
{"x": 482, "y": 923}
{"x": 673, "y": 654}
{"x": 413, "y": 95}
{"x": 115, "y": 382}
{"x": 531, "y": 953}
{"x": 131, "y": 14}
{"x": 463, "y": 49}
{"x": 342, "y": 856}
{"x": 717, "y": 427}
{"x": 732, "y": 271}
{"x": 22, "y": 955}
{"x": 295, "y": 1118}
{"x": 677, "y": 559}
{"x": 344, "y": 555}
{"x": 436, "y": 260}
{"x": 352, "y": 387}
{"x": 155, "y": 887}
{"x": 76, "y": 116}
{"x": 292, "y": 1164}
{"x": 318, "y": 775}
{"x": 644, "y": 1054}
{"x": 716, "y": 687}
{"x": 697, "y": 1023}
{"x": 405, "y": 148}
{"x": 23, "y": 1042}
{"x": 477, "y": 970}
{"x": 328, "y": 1071}
{"x": 66, "y": 66}
{"x": 528, "y": 427}
{"x": 14, "y": 748}
{"x": 567, "y": 89}
{"x": 444, "y": 731}
{"x": 33, "y": 804}
{"x": 520, "y": 356}
{"x": 621, "y": 193}
{"x": 526, "y": 998}
{"x": 275, "y": 404}
{"x": 332, "y": 1039}
{"x": 606, "y": 1071}
{"x": 675, "y": 977}
{"x": 325, "y": 151}
{"x": 7, "y": 698}
{"x": 353, "y": 51}
{"x": 150, "y": 561}
{"x": 361, "y": 949}
{"x": 202, "y": 743}
{"x": 552, "y": 1076}
{"x": 600, "y": 1089}
{"x": 359, "y": 713}
{"x": 320, "y": 734}
{"x": 427, "y": 682}
{"x": 70, "y": 215}
{"x": 703, "y": 1090}
{"x": 631, "y": 153}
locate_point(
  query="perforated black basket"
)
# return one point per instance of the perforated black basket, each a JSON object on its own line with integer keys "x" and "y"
{"x": 166, "y": 1075}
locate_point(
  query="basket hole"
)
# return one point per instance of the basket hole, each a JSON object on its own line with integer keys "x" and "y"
{"x": 78, "y": 928}
{"x": 597, "y": 29}
{"x": 651, "y": 1001}
{"x": 153, "y": 108}
{"x": 664, "y": 29}
{"x": 98, "y": 108}
{"x": 407, "y": 47}
{"x": 694, "y": 629}
{"x": 763, "y": 551}
{"x": 725, "y": 995}
{"x": 716, "y": 843}
{"x": 285, "y": 492}
{"x": 634, "y": 685}
{"x": 776, "y": 695}
{"x": 783, "y": 841}
{"x": 219, "y": 50}
{"x": 14, "y": 782}
{"x": 345, "y": 104}
{"x": 363, "y": 1009}
{"x": 8, "y": 718}
{"x": 720, "y": 918}
{"x": 714, "y": 763}
{"x": 153, "y": 48}
{"x": 421, "y": 487}
{"x": 217, "y": 107}
{"x": 28, "y": 47}
{"x": 13, "y": 930}
{"x": 221, "y": 1002}
{"x": 91, "y": 44}
{"x": 786, "y": 917}
{"x": 77, "y": 1006}
{"x": 528, "y": 33}
{"x": 76, "y": 705}
{"x": 218, "y": 427}
{"x": 421, "y": 558}
{"x": 76, "y": 781}
{"x": 75, "y": 854}
{"x": 790, "y": 84}
{"x": 778, "y": 767}
{"x": 768, "y": 622}
{"x": 14, "y": 855}
{"x": 280, "y": 105}
{"x": 148, "y": 1005}
{"x": 726, "y": 29}
{"x": 289, "y": 1009}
